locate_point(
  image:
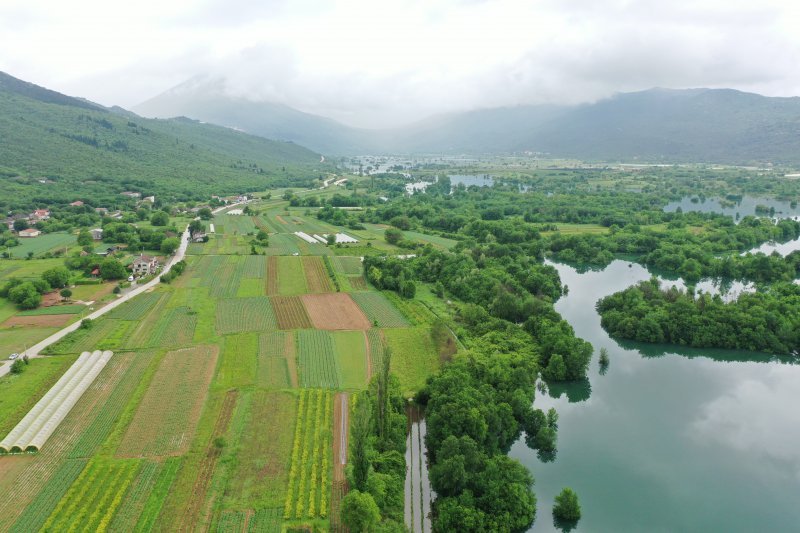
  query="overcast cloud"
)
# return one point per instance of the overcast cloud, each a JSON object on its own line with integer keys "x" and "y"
{"x": 380, "y": 63}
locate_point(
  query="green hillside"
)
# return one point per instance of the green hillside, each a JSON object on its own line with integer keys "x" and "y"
{"x": 82, "y": 149}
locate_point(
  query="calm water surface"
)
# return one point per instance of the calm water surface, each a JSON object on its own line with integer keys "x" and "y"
{"x": 670, "y": 439}
{"x": 747, "y": 206}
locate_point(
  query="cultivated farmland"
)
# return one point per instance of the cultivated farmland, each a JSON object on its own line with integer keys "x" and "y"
{"x": 348, "y": 265}
{"x": 317, "y": 277}
{"x": 167, "y": 415}
{"x": 351, "y": 359}
{"x": 334, "y": 311}
{"x": 379, "y": 309}
{"x": 290, "y": 312}
{"x": 236, "y": 315}
{"x": 317, "y": 357}
{"x": 308, "y": 492}
{"x": 291, "y": 280}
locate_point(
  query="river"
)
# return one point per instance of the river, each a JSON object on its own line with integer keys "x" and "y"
{"x": 669, "y": 439}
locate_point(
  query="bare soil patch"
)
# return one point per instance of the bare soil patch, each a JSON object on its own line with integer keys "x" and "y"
{"x": 280, "y": 219}
{"x": 272, "y": 275}
{"x": 37, "y": 321}
{"x": 334, "y": 311}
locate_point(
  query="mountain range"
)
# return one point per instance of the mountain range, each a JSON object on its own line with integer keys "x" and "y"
{"x": 656, "y": 125}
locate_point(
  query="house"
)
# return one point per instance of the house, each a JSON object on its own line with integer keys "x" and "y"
{"x": 131, "y": 194}
{"x": 144, "y": 265}
{"x": 30, "y": 232}
{"x": 116, "y": 215}
{"x": 100, "y": 210}
{"x": 97, "y": 234}
{"x": 235, "y": 212}
{"x": 96, "y": 272}
{"x": 77, "y": 203}
{"x": 199, "y": 236}
{"x": 40, "y": 214}
{"x": 151, "y": 199}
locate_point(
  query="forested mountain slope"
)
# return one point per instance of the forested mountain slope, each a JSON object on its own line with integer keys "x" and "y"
{"x": 81, "y": 148}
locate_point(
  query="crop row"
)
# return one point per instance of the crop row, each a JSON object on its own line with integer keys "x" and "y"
{"x": 245, "y": 314}
{"x": 155, "y": 501}
{"x": 93, "y": 498}
{"x": 254, "y": 267}
{"x": 317, "y": 359}
{"x": 101, "y": 426}
{"x": 36, "y": 513}
{"x": 290, "y": 312}
{"x": 136, "y": 308}
{"x": 174, "y": 328}
{"x": 296, "y": 449}
{"x": 128, "y": 513}
{"x": 375, "y": 350}
{"x": 349, "y": 265}
{"x": 306, "y": 495}
{"x": 226, "y": 282}
{"x": 379, "y": 309}
{"x": 231, "y": 522}
{"x": 265, "y": 521}
{"x": 331, "y": 273}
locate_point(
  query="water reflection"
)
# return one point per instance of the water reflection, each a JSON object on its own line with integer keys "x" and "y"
{"x": 671, "y": 438}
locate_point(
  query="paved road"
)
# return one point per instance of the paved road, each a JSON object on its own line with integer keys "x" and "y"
{"x": 35, "y": 350}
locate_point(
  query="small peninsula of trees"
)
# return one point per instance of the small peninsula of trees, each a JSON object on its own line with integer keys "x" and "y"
{"x": 765, "y": 321}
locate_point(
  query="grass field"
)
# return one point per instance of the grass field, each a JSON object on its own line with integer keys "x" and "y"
{"x": 239, "y": 359}
{"x": 276, "y": 360}
{"x": 351, "y": 359}
{"x": 167, "y": 416}
{"x": 414, "y": 356}
{"x": 55, "y": 310}
{"x": 20, "y": 392}
{"x": 25, "y": 269}
{"x": 250, "y": 287}
{"x": 379, "y": 310}
{"x": 261, "y": 474}
{"x": 291, "y": 277}
{"x": 317, "y": 357}
{"x": 348, "y": 265}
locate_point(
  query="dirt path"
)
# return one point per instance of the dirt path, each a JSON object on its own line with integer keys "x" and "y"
{"x": 195, "y": 505}
{"x": 341, "y": 429}
{"x": 369, "y": 357}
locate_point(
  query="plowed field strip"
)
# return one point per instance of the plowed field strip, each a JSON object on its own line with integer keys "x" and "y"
{"x": 290, "y": 312}
{"x": 194, "y": 507}
{"x": 317, "y": 277}
{"x": 272, "y": 276}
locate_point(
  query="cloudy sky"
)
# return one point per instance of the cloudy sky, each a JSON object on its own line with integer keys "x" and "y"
{"x": 381, "y": 62}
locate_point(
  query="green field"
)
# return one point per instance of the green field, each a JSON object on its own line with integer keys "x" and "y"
{"x": 317, "y": 357}
{"x": 291, "y": 277}
{"x": 236, "y": 315}
{"x": 43, "y": 243}
{"x": 414, "y": 356}
{"x": 351, "y": 359}
{"x": 239, "y": 359}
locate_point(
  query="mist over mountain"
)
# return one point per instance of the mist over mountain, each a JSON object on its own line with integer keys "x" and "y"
{"x": 691, "y": 125}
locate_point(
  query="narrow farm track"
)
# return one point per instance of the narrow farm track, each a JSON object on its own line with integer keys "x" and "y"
{"x": 197, "y": 499}
{"x": 340, "y": 444}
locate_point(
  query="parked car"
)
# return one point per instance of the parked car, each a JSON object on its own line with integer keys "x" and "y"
{"x": 130, "y": 278}
{"x": 13, "y": 356}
